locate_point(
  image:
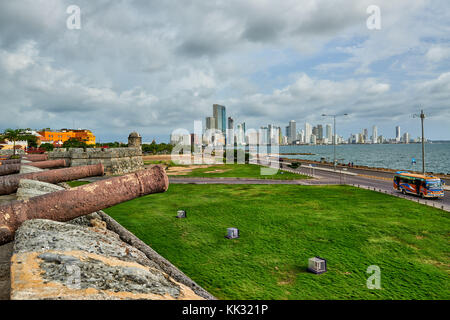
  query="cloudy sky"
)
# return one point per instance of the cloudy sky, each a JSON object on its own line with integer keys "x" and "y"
{"x": 154, "y": 66}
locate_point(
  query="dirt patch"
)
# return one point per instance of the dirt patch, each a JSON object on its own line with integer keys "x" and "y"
{"x": 163, "y": 157}
{"x": 218, "y": 171}
{"x": 177, "y": 171}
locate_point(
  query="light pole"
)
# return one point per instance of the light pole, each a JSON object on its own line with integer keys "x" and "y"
{"x": 334, "y": 136}
{"x": 422, "y": 117}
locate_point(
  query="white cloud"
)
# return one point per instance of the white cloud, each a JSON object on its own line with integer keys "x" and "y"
{"x": 438, "y": 53}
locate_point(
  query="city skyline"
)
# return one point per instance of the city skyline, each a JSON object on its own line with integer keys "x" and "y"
{"x": 310, "y": 134}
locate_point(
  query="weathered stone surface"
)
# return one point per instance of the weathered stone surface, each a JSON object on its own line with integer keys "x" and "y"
{"x": 32, "y": 188}
{"x": 163, "y": 263}
{"x": 5, "y": 258}
{"x": 10, "y": 152}
{"x": 115, "y": 160}
{"x": 54, "y": 260}
{"x": 29, "y": 169}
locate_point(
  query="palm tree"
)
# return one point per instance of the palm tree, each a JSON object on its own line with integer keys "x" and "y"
{"x": 12, "y": 135}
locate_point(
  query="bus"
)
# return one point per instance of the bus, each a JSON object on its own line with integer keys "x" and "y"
{"x": 418, "y": 184}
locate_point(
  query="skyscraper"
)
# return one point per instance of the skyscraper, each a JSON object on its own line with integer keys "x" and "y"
{"x": 308, "y": 132}
{"x": 398, "y": 135}
{"x": 219, "y": 114}
{"x": 320, "y": 132}
{"x": 292, "y": 131}
{"x": 230, "y": 123}
{"x": 210, "y": 123}
{"x": 329, "y": 133}
{"x": 366, "y": 135}
{"x": 374, "y": 134}
{"x": 240, "y": 133}
{"x": 406, "y": 137}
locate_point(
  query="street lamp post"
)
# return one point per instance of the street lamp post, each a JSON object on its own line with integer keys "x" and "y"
{"x": 334, "y": 136}
{"x": 422, "y": 117}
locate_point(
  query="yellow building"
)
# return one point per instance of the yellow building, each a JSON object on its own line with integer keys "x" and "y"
{"x": 59, "y": 137}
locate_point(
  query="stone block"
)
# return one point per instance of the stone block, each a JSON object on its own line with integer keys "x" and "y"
{"x": 54, "y": 260}
{"x": 32, "y": 188}
{"x": 29, "y": 169}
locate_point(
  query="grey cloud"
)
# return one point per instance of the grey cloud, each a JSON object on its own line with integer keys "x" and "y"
{"x": 156, "y": 65}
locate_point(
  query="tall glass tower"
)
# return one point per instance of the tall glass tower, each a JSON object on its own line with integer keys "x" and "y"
{"x": 219, "y": 114}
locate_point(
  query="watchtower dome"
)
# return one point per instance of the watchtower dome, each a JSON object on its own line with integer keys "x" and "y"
{"x": 134, "y": 140}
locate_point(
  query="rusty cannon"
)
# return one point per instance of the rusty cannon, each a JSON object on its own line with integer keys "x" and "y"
{"x": 15, "y": 168}
{"x": 48, "y": 164}
{"x": 9, "y": 169}
{"x": 36, "y": 157}
{"x": 69, "y": 204}
{"x": 9, "y": 184}
{"x": 9, "y": 161}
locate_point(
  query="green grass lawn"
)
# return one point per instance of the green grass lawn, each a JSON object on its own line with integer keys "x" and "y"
{"x": 282, "y": 226}
{"x": 240, "y": 171}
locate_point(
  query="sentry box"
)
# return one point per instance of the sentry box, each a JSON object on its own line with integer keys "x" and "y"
{"x": 317, "y": 265}
{"x": 232, "y": 233}
{"x": 181, "y": 214}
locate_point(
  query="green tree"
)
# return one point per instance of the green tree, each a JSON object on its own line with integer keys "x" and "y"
{"x": 74, "y": 143}
{"x": 31, "y": 139}
{"x": 47, "y": 146}
{"x": 12, "y": 135}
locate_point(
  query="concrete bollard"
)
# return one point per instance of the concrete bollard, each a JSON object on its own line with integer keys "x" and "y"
{"x": 9, "y": 184}
{"x": 69, "y": 204}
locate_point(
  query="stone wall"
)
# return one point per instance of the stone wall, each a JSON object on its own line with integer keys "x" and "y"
{"x": 10, "y": 152}
{"x": 115, "y": 160}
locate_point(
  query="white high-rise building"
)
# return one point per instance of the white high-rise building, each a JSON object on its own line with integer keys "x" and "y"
{"x": 406, "y": 137}
{"x": 374, "y": 134}
{"x": 292, "y": 134}
{"x": 398, "y": 135}
{"x": 329, "y": 133}
{"x": 308, "y": 132}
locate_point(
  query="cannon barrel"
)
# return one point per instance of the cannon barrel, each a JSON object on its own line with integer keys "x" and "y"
{"x": 9, "y": 169}
{"x": 15, "y": 168}
{"x": 49, "y": 164}
{"x": 10, "y": 161}
{"x": 9, "y": 184}
{"x": 36, "y": 157}
{"x": 69, "y": 204}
